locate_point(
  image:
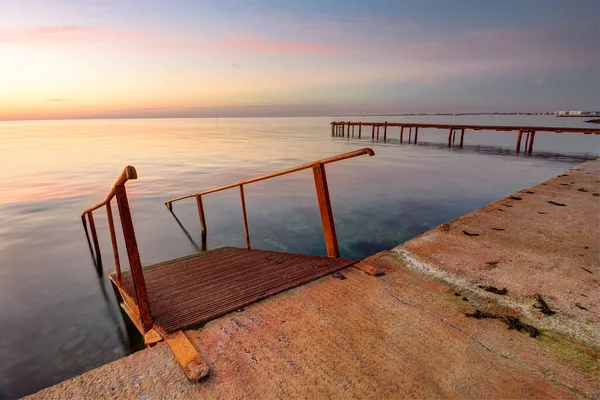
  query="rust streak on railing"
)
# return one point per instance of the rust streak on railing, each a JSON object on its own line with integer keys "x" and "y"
{"x": 113, "y": 241}
{"x": 325, "y": 210}
{"x": 135, "y": 264}
{"x": 94, "y": 237}
{"x": 202, "y": 220}
{"x": 246, "y": 233}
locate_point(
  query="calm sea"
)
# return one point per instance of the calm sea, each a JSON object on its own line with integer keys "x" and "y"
{"x": 59, "y": 319}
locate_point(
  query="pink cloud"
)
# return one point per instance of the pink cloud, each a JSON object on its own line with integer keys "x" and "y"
{"x": 263, "y": 44}
{"x": 63, "y": 34}
{"x": 433, "y": 82}
{"x": 241, "y": 42}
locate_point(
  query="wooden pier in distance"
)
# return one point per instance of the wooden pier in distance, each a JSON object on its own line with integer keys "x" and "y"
{"x": 164, "y": 299}
{"x": 347, "y": 129}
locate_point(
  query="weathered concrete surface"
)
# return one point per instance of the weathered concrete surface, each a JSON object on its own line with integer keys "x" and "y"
{"x": 401, "y": 335}
{"x": 530, "y": 247}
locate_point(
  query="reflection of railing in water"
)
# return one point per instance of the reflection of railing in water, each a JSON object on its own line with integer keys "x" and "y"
{"x": 346, "y": 128}
{"x": 491, "y": 149}
{"x": 322, "y": 190}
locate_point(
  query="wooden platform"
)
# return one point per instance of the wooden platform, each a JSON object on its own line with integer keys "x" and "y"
{"x": 192, "y": 290}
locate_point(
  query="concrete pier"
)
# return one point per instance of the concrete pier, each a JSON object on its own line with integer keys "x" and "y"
{"x": 500, "y": 303}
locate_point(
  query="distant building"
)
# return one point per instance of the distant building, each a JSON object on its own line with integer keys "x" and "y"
{"x": 569, "y": 113}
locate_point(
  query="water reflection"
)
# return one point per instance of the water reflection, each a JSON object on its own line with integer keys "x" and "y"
{"x": 565, "y": 156}
{"x": 96, "y": 258}
{"x": 186, "y": 233}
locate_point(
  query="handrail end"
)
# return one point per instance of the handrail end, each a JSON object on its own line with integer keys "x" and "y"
{"x": 369, "y": 151}
{"x": 169, "y": 205}
{"x": 130, "y": 172}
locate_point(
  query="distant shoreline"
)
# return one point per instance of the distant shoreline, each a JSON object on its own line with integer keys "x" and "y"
{"x": 296, "y": 116}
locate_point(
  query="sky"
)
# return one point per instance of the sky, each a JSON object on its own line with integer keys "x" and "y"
{"x": 128, "y": 58}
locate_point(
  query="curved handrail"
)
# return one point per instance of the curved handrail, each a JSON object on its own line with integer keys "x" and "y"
{"x": 128, "y": 173}
{"x": 344, "y": 156}
{"x": 135, "y": 266}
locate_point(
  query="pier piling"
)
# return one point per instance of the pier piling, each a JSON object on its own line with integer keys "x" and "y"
{"x": 530, "y": 148}
{"x": 385, "y": 131}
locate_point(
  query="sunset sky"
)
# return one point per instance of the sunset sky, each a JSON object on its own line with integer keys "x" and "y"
{"x": 82, "y": 59}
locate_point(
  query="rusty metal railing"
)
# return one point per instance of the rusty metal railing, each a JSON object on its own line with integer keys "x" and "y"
{"x": 135, "y": 265}
{"x": 119, "y": 192}
{"x": 321, "y": 187}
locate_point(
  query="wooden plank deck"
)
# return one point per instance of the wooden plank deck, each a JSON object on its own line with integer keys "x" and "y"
{"x": 192, "y": 290}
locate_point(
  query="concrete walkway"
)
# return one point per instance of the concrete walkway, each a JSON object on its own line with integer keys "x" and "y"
{"x": 424, "y": 329}
{"x": 540, "y": 242}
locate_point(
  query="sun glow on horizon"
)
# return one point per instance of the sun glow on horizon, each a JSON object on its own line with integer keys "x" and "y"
{"x": 87, "y": 61}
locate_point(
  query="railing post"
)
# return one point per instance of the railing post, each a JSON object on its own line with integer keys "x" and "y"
{"x": 113, "y": 241}
{"x": 373, "y": 132}
{"x": 401, "y": 133}
{"x": 202, "y": 221}
{"x": 244, "y": 216}
{"x": 359, "y": 129}
{"x": 135, "y": 265}
{"x": 325, "y": 209}
{"x": 332, "y": 129}
{"x": 462, "y": 137}
{"x": 95, "y": 238}
{"x": 409, "y": 134}
{"x": 416, "y": 134}
{"x": 450, "y": 137}
{"x": 518, "y": 148}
